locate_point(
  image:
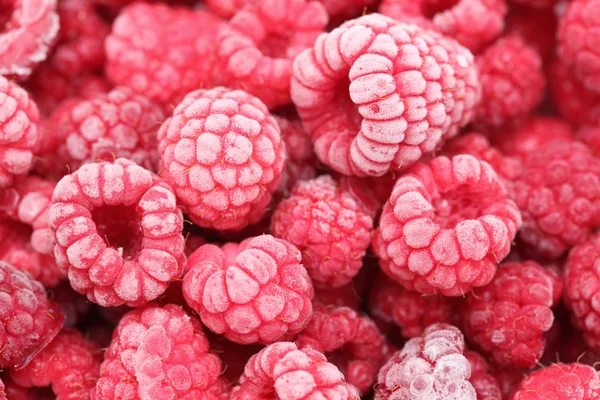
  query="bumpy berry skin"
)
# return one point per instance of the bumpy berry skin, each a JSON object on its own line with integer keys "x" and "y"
{"x": 329, "y": 225}
{"x": 283, "y": 372}
{"x": 156, "y": 354}
{"x": 560, "y": 382}
{"x": 70, "y": 364}
{"x": 29, "y": 320}
{"x": 222, "y": 152}
{"x": 257, "y": 48}
{"x": 512, "y": 80}
{"x": 483, "y": 380}
{"x": 408, "y": 89}
{"x": 559, "y": 198}
{"x": 118, "y": 233}
{"x": 446, "y": 227}
{"x": 431, "y": 367}
{"x": 255, "y": 292}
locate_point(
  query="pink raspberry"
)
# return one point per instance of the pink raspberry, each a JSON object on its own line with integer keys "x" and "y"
{"x": 257, "y": 48}
{"x": 227, "y": 8}
{"x": 483, "y": 380}
{"x": 376, "y": 94}
{"x": 19, "y": 135}
{"x": 560, "y": 382}
{"x": 446, "y": 227}
{"x": 30, "y": 29}
{"x": 118, "y": 233}
{"x": 283, "y": 372}
{"x": 222, "y": 152}
{"x": 512, "y": 80}
{"x": 156, "y": 354}
{"x": 590, "y": 135}
{"x": 255, "y": 292}
{"x": 559, "y": 198}
{"x": 29, "y": 321}
{"x": 535, "y": 26}
{"x": 331, "y": 227}
{"x": 430, "y": 367}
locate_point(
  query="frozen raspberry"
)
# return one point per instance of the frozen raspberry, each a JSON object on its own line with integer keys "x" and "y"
{"x": 559, "y": 197}
{"x": 28, "y": 33}
{"x": 257, "y": 48}
{"x": 579, "y": 41}
{"x": 446, "y": 227}
{"x": 590, "y": 135}
{"x": 430, "y": 367}
{"x": 70, "y": 364}
{"x": 560, "y": 382}
{"x": 376, "y": 94}
{"x": 19, "y": 135}
{"x": 535, "y": 26}
{"x": 222, "y": 152}
{"x": 162, "y": 52}
{"x": 283, "y": 372}
{"x": 227, "y": 8}
{"x": 29, "y": 320}
{"x": 342, "y": 296}
{"x": 512, "y": 80}
{"x": 255, "y": 292}
{"x": 156, "y": 354}
{"x": 483, "y": 380}
{"x": 118, "y": 233}
{"x": 75, "y": 306}
{"x": 343, "y": 9}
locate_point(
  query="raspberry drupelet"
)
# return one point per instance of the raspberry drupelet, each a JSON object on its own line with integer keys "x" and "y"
{"x": 483, "y": 380}
{"x": 446, "y": 227}
{"x": 222, "y": 152}
{"x": 254, "y": 292}
{"x": 157, "y": 354}
{"x": 118, "y": 233}
{"x": 376, "y": 94}
{"x": 560, "y": 382}
{"x": 258, "y": 46}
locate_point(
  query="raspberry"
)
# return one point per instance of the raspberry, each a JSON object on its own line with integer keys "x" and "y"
{"x": 156, "y": 354}
{"x": 118, "y": 232}
{"x": 560, "y": 382}
{"x": 281, "y": 371}
{"x": 223, "y": 154}
{"x": 535, "y": 26}
{"x": 512, "y": 80}
{"x": 446, "y": 227}
{"x": 376, "y": 94}
{"x": 431, "y": 367}
{"x": 162, "y": 52}
{"x": 227, "y": 8}
{"x": 508, "y": 317}
{"x": 70, "y": 364}
{"x": 18, "y": 131}
{"x": 590, "y": 135}
{"x": 29, "y": 320}
{"x": 559, "y": 198}
{"x": 485, "y": 383}
{"x": 28, "y": 34}
{"x": 579, "y": 43}
{"x": 255, "y": 292}
{"x": 257, "y": 48}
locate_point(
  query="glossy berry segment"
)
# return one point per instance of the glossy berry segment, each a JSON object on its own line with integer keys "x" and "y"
{"x": 255, "y": 292}
{"x": 118, "y": 233}
{"x": 257, "y": 48}
{"x": 222, "y": 152}
{"x": 158, "y": 353}
{"x": 561, "y": 382}
{"x": 281, "y": 371}
{"x": 446, "y": 227}
{"x": 482, "y": 378}
{"x": 376, "y": 94}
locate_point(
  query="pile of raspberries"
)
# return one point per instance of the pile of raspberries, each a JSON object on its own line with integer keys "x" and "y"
{"x": 300, "y": 199}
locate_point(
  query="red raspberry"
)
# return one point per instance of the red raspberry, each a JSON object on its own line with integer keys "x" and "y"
{"x": 535, "y": 26}
{"x": 512, "y": 80}
{"x": 70, "y": 364}
{"x": 255, "y": 292}
{"x": 222, "y": 152}
{"x": 376, "y": 94}
{"x": 283, "y": 372}
{"x": 29, "y": 321}
{"x": 430, "y": 367}
{"x": 446, "y": 227}
{"x": 29, "y": 31}
{"x": 257, "y": 48}
{"x": 156, "y": 354}
{"x": 560, "y": 382}
{"x": 227, "y": 8}
{"x": 118, "y": 232}
{"x": 590, "y": 135}
{"x": 162, "y": 52}
{"x": 483, "y": 380}
{"x": 559, "y": 197}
